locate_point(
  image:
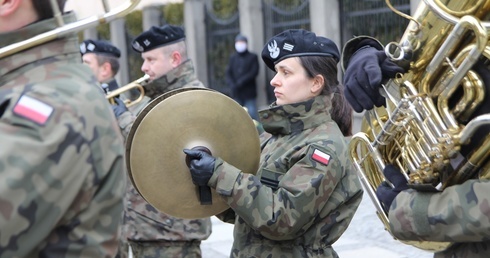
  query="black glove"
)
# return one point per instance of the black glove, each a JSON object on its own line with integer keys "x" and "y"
{"x": 367, "y": 69}
{"x": 385, "y": 193}
{"x": 201, "y": 166}
{"x": 119, "y": 108}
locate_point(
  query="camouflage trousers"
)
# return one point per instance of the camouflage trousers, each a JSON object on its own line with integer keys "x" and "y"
{"x": 166, "y": 249}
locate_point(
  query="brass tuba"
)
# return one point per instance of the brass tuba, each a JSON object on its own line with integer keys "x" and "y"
{"x": 430, "y": 110}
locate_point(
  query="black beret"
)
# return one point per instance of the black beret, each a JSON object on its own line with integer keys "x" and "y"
{"x": 99, "y": 47}
{"x": 158, "y": 37}
{"x": 297, "y": 42}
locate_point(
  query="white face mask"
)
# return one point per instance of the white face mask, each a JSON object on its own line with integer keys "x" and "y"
{"x": 240, "y": 47}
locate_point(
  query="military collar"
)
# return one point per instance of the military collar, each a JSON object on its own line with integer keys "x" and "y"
{"x": 296, "y": 117}
{"x": 174, "y": 79}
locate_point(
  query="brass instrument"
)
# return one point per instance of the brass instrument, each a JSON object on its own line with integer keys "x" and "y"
{"x": 425, "y": 123}
{"x": 65, "y": 29}
{"x": 136, "y": 84}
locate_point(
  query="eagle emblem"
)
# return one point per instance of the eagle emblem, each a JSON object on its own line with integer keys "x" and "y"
{"x": 273, "y": 49}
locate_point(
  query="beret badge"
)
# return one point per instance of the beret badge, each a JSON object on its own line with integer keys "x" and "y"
{"x": 273, "y": 49}
{"x": 137, "y": 46}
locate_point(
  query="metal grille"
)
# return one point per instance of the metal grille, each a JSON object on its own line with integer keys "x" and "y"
{"x": 373, "y": 18}
{"x": 221, "y": 32}
{"x": 280, "y": 15}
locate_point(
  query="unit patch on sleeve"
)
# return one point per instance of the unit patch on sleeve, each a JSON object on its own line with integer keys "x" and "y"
{"x": 33, "y": 109}
{"x": 320, "y": 156}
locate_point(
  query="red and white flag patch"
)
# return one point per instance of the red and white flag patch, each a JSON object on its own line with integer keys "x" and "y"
{"x": 33, "y": 109}
{"x": 320, "y": 156}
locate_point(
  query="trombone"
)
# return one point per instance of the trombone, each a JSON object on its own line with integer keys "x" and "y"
{"x": 138, "y": 84}
{"x": 65, "y": 29}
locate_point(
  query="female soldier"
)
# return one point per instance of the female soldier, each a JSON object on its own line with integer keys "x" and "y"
{"x": 305, "y": 193}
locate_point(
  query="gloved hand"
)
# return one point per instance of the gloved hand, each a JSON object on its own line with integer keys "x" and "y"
{"x": 367, "y": 69}
{"x": 119, "y": 108}
{"x": 385, "y": 193}
{"x": 201, "y": 166}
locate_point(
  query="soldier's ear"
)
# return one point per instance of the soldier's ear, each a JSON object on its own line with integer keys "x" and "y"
{"x": 176, "y": 58}
{"x": 7, "y": 7}
{"x": 318, "y": 82}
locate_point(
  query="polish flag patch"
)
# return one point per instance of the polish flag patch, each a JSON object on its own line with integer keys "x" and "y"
{"x": 321, "y": 157}
{"x": 33, "y": 109}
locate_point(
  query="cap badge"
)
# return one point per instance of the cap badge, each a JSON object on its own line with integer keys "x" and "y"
{"x": 83, "y": 48}
{"x": 90, "y": 46}
{"x": 137, "y": 46}
{"x": 288, "y": 47}
{"x": 273, "y": 49}
{"x": 146, "y": 42}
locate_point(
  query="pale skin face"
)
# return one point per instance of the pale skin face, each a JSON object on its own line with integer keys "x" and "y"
{"x": 15, "y": 14}
{"x": 158, "y": 62}
{"x": 102, "y": 72}
{"x": 292, "y": 85}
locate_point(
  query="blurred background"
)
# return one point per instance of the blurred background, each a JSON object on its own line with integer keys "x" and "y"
{"x": 211, "y": 26}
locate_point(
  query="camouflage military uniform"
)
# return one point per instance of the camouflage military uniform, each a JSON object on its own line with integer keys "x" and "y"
{"x": 305, "y": 192}
{"x": 458, "y": 214}
{"x": 144, "y": 226}
{"x": 61, "y": 156}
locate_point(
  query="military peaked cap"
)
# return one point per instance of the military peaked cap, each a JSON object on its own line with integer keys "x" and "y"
{"x": 99, "y": 47}
{"x": 297, "y": 42}
{"x": 158, "y": 37}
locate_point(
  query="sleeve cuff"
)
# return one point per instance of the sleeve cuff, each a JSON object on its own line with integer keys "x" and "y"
{"x": 410, "y": 207}
{"x": 224, "y": 177}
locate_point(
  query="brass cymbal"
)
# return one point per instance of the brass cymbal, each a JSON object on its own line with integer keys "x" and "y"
{"x": 187, "y": 118}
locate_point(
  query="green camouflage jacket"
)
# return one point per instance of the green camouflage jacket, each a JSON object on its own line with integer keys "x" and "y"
{"x": 305, "y": 192}
{"x": 143, "y": 222}
{"x": 61, "y": 153}
{"x": 459, "y": 214}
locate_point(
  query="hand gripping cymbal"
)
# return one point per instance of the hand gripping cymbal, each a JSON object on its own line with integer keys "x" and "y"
{"x": 185, "y": 119}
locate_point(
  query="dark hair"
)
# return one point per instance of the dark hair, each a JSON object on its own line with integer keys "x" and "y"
{"x": 44, "y": 9}
{"x": 112, "y": 60}
{"x": 341, "y": 111}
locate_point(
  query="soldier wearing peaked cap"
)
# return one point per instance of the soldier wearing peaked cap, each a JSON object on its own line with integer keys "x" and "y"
{"x": 305, "y": 192}
{"x": 61, "y": 155}
{"x": 151, "y": 233}
{"x": 103, "y": 59}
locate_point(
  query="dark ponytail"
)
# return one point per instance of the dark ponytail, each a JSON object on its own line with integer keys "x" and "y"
{"x": 341, "y": 111}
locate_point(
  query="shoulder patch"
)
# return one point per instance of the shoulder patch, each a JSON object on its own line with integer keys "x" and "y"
{"x": 320, "y": 156}
{"x": 33, "y": 109}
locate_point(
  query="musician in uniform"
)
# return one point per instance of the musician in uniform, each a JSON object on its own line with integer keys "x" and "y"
{"x": 61, "y": 154}
{"x": 305, "y": 191}
{"x": 458, "y": 214}
{"x": 103, "y": 59}
{"x": 149, "y": 232}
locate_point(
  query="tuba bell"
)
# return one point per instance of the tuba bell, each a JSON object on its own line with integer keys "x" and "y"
{"x": 431, "y": 111}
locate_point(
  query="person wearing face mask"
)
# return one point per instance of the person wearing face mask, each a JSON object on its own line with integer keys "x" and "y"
{"x": 241, "y": 72}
